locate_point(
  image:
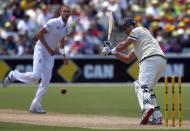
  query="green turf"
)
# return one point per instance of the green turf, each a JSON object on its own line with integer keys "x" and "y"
{"x": 27, "y": 127}
{"x": 115, "y": 101}
{"x": 82, "y": 100}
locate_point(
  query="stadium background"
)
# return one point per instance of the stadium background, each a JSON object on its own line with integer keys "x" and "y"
{"x": 110, "y": 105}
{"x": 168, "y": 20}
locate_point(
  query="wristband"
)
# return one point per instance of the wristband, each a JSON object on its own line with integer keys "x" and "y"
{"x": 114, "y": 51}
{"x": 61, "y": 51}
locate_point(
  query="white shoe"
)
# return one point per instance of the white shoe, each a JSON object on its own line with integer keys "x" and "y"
{"x": 8, "y": 79}
{"x": 146, "y": 115}
{"x": 156, "y": 121}
{"x": 156, "y": 117}
{"x": 37, "y": 110}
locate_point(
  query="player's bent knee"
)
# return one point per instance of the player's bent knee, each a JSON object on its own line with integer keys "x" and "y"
{"x": 35, "y": 77}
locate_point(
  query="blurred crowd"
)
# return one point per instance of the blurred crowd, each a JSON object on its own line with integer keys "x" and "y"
{"x": 170, "y": 23}
{"x": 20, "y": 20}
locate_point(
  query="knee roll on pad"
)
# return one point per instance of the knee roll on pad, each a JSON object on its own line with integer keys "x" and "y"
{"x": 146, "y": 94}
{"x": 146, "y": 101}
{"x": 145, "y": 88}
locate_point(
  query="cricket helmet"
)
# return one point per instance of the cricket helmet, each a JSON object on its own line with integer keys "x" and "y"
{"x": 127, "y": 22}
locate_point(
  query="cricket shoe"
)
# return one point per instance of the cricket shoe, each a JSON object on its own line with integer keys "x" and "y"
{"x": 156, "y": 121}
{"x": 8, "y": 79}
{"x": 146, "y": 115}
{"x": 37, "y": 110}
{"x": 156, "y": 117}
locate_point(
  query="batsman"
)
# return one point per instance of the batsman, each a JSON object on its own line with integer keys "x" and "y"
{"x": 152, "y": 64}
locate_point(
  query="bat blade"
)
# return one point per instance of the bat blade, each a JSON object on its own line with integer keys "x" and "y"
{"x": 110, "y": 24}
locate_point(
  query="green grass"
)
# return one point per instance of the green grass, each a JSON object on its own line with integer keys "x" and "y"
{"x": 26, "y": 127}
{"x": 82, "y": 100}
{"x": 114, "y": 101}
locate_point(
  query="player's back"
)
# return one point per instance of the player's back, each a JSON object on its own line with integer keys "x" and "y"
{"x": 146, "y": 44}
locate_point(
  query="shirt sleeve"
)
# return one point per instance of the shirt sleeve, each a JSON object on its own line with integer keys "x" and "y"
{"x": 135, "y": 34}
{"x": 49, "y": 25}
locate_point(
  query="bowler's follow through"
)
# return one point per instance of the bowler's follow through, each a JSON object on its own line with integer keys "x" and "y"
{"x": 49, "y": 36}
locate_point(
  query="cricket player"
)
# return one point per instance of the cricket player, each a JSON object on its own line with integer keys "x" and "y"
{"x": 152, "y": 64}
{"x": 51, "y": 40}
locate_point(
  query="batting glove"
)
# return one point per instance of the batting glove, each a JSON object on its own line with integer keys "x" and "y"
{"x": 108, "y": 44}
{"x": 106, "y": 51}
{"x": 62, "y": 51}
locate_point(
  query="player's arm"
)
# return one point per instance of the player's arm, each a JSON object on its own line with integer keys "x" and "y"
{"x": 125, "y": 44}
{"x": 119, "y": 48}
{"x": 40, "y": 37}
{"x": 62, "y": 50}
{"x": 62, "y": 43}
{"x": 61, "y": 47}
{"x": 127, "y": 58}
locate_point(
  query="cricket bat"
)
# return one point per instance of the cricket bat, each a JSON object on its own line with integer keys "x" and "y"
{"x": 110, "y": 24}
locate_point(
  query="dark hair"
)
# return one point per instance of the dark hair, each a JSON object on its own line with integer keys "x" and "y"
{"x": 127, "y": 22}
{"x": 65, "y": 6}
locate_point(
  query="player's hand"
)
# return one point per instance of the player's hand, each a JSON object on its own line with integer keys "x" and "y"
{"x": 106, "y": 51}
{"x": 108, "y": 44}
{"x": 62, "y": 51}
{"x": 107, "y": 48}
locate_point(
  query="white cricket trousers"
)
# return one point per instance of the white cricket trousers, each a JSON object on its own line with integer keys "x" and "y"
{"x": 150, "y": 71}
{"x": 42, "y": 69}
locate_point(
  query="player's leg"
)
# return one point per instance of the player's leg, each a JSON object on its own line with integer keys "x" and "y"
{"x": 36, "y": 106}
{"x": 157, "y": 115}
{"x": 28, "y": 77}
{"x": 144, "y": 98}
{"x": 150, "y": 71}
{"x": 146, "y": 79}
{"x": 8, "y": 79}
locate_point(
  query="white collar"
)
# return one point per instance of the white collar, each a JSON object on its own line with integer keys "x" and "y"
{"x": 62, "y": 23}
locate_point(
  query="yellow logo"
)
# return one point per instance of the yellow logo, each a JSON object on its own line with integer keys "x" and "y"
{"x": 69, "y": 72}
{"x": 3, "y": 70}
{"x": 133, "y": 70}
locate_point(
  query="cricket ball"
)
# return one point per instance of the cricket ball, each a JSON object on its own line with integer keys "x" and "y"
{"x": 63, "y": 91}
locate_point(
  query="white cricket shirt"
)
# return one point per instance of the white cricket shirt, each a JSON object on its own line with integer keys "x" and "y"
{"x": 146, "y": 45}
{"x": 56, "y": 31}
